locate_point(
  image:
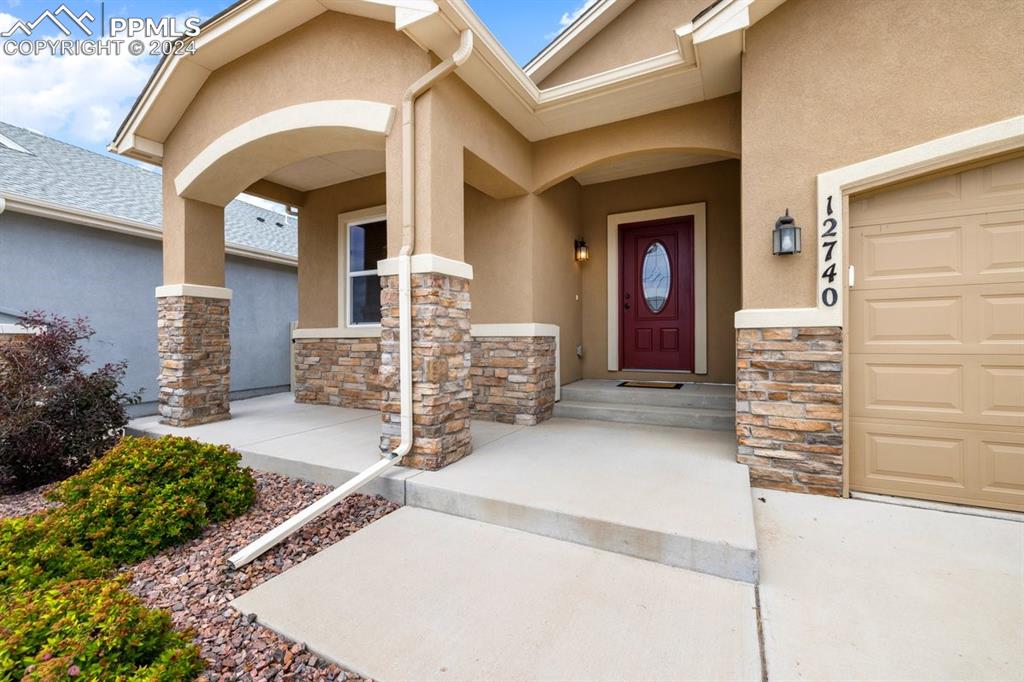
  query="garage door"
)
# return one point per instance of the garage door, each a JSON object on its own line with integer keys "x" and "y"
{"x": 937, "y": 339}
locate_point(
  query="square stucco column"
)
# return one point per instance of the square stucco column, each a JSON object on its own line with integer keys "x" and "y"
{"x": 195, "y": 353}
{"x": 441, "y": 359}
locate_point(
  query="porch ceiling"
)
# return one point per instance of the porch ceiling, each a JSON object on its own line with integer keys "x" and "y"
{"x": 643, "y": 163}
{"x": 329, "y": 169}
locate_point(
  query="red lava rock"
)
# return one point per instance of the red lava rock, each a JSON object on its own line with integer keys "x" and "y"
{"x": 23, "y": 504}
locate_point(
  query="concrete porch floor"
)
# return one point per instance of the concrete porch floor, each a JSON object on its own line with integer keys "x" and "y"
{"x": 671, "y": 495}
{"x": 849, "y": 589}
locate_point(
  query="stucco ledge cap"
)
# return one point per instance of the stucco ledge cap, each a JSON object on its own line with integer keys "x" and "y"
{"x": 197, "y": 290}
{"x": 428, "y": 262}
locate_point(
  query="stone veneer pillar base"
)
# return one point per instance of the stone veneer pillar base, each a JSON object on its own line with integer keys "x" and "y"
{"x": 789, "y": 407}
{"x": 514, "y": 378}
{"x": 195, "y": 359}
{"x": 340, "y": 371}
{"x": 441, "y": 357}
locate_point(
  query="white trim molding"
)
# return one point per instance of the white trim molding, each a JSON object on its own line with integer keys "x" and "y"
{"x": 527, "y": 329}
{"x": 197, "y": 290}
{"x": 365, "y": 332}
{"x": 345, "y": 220}
{"x": 428, "y": 262}
{"x": 17, "y": 330}
{"x": 374, "y": 118}
{"x": 700, "y": 279}
{"x": 835, "y": 187}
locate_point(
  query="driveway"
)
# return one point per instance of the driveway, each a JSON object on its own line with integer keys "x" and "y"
{"x": 860, "y": 590}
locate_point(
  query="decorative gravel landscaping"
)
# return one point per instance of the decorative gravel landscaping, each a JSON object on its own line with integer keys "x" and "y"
{"x": 25, "y": 503}
{"x": 195, "y": 583}
{"x": 136, "y": 550}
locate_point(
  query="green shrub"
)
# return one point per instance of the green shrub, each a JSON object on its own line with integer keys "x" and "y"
{"x": 145, "y": 495}
{"x": 31, "y": 556}
{"x": 91, "y": 628}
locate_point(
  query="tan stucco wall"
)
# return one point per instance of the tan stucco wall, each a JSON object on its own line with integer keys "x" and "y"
{"x": 644, "y": 29}
{"x": 524, "y": 270}
{"x": 319, "y": 267}
{"x": 709, "y": 127}
{"x": 193, "y": 244}
{"x": 450, "y": 118}
{"x": 334, "y": 56}
{"x": 499, "y": 240}
{"x": 717, "y": 185}
{"x": 827, "y": 84}
{"x": 557, "y": 277}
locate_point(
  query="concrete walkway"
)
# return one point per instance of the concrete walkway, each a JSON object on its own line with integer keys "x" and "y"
{"x": 859, "y": 590}
{"x": 420, "y": 595}
{"x": 676, "y": 496}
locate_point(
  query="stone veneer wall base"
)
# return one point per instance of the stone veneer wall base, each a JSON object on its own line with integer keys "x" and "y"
{"x": 440, "y": 367}
{"x": 344, "y": 372}
{"x": 194, "y": 347}
{"x": 789, "y": 407}
{"x": 513, "y": 379}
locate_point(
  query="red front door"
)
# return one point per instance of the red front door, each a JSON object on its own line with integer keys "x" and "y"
{"x": 656, "y": 297}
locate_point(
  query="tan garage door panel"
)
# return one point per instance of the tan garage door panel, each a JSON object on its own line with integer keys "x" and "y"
{"x": 948, "y": 464}
{"x": 974, "y": 318}
{"x": 968, "y": 389}
{"x": 936, "y": 339}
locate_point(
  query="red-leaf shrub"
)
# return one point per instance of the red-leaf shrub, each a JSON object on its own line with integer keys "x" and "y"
{"x": 56, "y": 416}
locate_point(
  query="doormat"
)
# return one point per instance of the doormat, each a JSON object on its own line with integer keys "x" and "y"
{"x": 650, "y": 384}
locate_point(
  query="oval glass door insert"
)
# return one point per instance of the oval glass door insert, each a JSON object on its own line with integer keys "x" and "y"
{"x": 657, "y": 277}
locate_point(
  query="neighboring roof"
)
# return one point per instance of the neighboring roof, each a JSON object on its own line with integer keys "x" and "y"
{"x": 705, "y": 65}
{"x": 57, "y": 174}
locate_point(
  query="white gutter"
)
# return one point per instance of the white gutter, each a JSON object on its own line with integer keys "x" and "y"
{"x": 273, "y": 537}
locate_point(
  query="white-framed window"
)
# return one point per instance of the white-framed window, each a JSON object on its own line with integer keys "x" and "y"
{"x": 364, "y": 241}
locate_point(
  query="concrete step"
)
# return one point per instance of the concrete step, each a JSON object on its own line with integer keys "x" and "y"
{"x": 632, "y": 413}
{"x": 674, "y": 496}
{"x": 709, "y": 396}
{"x": 420, "y": 595}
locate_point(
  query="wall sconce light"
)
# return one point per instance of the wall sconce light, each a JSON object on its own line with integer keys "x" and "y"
{"x": 582, "y": 251}
{"x": 785, "y": 236}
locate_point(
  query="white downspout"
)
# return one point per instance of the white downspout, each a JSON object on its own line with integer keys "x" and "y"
{"x": 273, "y": 537}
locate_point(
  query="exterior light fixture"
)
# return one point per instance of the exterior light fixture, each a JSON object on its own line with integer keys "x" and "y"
{"x": 785, "y": 236}
{"x": 582, "y": 251}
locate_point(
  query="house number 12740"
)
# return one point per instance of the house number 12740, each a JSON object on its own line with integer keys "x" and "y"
{"x": 829, "y": 239}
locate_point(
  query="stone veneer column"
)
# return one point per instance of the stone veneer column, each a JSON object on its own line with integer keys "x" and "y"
{"x": 514, "y": 378}
{"x": 441, "y": 358}
{"x": 789, "y": 407}
{"x": 195, "y": 357}
{"x": 338, "y": 371}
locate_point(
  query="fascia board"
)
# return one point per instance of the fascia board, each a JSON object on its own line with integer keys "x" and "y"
{"x": 134, "y": 228}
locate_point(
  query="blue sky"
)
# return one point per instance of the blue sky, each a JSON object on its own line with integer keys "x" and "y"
{"x": 83, "y": 99}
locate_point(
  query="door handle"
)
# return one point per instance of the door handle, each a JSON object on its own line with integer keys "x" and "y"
{"x": 626, "y": 306}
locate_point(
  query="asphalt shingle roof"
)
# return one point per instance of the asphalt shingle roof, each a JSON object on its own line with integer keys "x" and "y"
{"x": 73, "y": 177}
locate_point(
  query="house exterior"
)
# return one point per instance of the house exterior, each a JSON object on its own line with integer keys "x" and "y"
{"x": 80, "y": 235}
{"x": 885, "y": 356}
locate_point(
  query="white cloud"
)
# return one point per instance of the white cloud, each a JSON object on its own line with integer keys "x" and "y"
{"x": 568, "y": 17}
{"x": 81, "y": 99}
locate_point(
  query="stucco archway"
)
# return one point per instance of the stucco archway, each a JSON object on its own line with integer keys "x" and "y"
{"x": 279, "y": 138}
